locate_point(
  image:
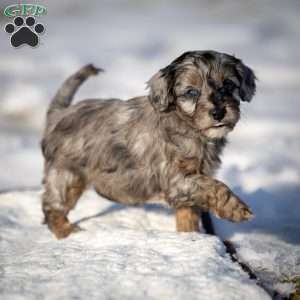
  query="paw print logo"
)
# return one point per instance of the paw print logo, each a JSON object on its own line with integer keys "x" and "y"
{"x": 24, "y": 32}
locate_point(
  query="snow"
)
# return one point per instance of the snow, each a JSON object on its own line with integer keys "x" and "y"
{"x": 123, "y": 253}
{"x": 269, "y": 243}
{"x": 131, "y": 40}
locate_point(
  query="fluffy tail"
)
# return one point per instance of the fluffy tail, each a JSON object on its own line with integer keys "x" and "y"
{"x": 64, "y": 96}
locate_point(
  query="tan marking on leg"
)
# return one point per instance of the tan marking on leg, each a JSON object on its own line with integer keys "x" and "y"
{"x": 187, "y": 219}
{"x": 73, "y": 194}
{"x": 59, "y": 224}
{"x": 61, "y": 194}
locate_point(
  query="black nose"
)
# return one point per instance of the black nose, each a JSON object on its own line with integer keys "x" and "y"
{"x": 218, "y": 113}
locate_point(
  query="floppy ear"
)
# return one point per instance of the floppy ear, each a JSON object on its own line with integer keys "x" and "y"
{"x": 159, "y": 95}
{"x": 247, "y": 82}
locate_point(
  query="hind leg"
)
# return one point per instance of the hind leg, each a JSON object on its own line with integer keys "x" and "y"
{"x": 62, "y": 191}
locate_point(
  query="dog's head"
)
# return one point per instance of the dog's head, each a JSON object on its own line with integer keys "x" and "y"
{"x": 205, "y": 89}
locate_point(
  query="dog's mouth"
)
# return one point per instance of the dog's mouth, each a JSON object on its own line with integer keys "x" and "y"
{"x": 218, "y": 130}
{"x": 222, "y": 125}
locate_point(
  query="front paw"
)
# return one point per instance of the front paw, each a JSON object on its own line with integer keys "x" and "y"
{"x": 233, "y": 209}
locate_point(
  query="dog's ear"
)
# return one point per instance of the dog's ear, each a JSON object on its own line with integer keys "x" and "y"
{"x": 247, "y": 82}
{"x": 159, "y": 94}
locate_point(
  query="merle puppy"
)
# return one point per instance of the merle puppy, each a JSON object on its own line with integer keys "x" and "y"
{"x": 164, "y": 146}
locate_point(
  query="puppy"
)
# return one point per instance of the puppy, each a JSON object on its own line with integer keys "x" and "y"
{"x": 164, "y": 146}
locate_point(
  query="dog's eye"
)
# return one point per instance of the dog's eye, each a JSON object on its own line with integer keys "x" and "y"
{"x": 193, "y": 93}
{"x": 229, "y": 86}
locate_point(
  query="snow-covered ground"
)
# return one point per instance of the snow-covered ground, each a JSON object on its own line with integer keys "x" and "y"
{"x": 132, "y": 40}
{"x": 125, "y": 253}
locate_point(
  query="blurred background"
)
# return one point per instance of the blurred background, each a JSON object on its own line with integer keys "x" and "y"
{"x": 131, "y": 40}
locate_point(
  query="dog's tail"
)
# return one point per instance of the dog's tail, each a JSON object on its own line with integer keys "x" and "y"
{"x": 65, "y": 94}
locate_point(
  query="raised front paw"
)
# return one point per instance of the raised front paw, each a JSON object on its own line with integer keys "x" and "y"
{"x": 230, "y": 207}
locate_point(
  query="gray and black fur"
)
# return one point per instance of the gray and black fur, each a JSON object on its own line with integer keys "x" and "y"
{"x": 164, "y": 146}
